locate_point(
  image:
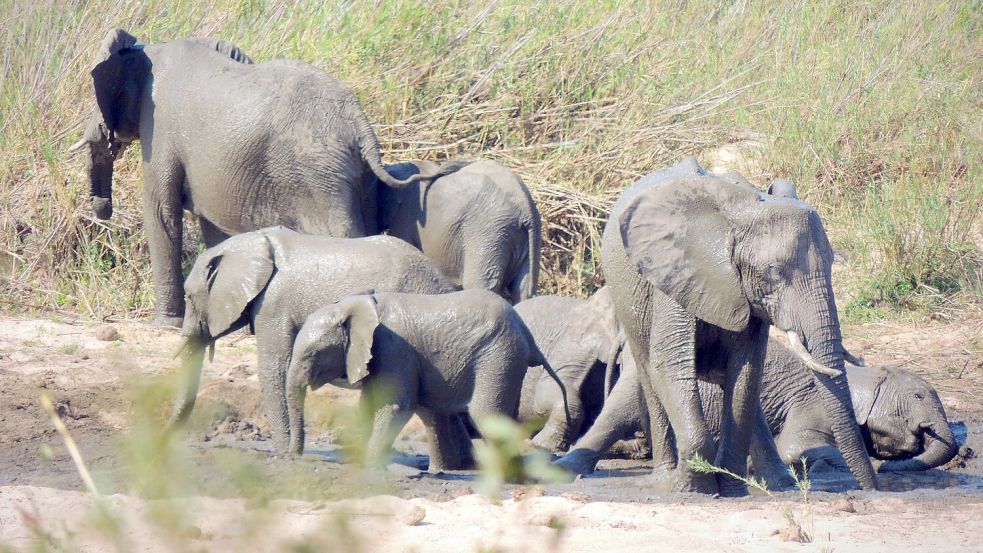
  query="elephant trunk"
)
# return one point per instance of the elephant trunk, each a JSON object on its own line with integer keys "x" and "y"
{"x": 192, "y": 355}
{"x": 821, "y": 332}
{"x": 99, "y": 168}
{"x": 939, "y": 447}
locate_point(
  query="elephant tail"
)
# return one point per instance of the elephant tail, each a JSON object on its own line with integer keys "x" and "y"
{"x": 369, "y": 144}
{"x": 527, "y": 280}
{"x": 540, "y": 359}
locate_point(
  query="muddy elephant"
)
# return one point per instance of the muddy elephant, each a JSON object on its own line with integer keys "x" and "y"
{"x": 699, "y": 267}
{"x": 480, "y": 224}
{"x": 243, "y": 146}
{"x": 435, "y": 355}
{"x": 270, "y": 280}
{"x": 581, "y": 339}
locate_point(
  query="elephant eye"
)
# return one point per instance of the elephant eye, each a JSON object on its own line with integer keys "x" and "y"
{"x": 919, "y": 396}
{"x": 773, "y": 273}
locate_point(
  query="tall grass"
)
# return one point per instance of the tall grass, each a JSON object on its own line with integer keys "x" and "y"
{"x": 874, "y": 109}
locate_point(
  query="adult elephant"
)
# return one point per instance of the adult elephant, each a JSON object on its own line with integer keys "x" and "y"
{"x": 699, "y": 266}
{"x": 243, "y": 146}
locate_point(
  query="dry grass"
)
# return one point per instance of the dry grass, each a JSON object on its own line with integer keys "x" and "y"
{"x": 875, "y": 109}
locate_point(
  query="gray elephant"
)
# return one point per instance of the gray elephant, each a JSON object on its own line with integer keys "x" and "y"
{"x": 271, "y": 280}
{"x": 698, "y": 268}
{"x": 581, "y": 339}
{"x": 479, "y": 224}
{"x": 436, "y": 355}
{"x": 243, "y": 146}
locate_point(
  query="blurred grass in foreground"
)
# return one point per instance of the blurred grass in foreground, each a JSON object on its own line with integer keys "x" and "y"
{"x": 874, "y": 109}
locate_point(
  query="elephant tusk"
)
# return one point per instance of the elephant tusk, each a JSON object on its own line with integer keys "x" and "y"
{"x": 180, "y": 348}
{"x": 796, "y": 344}
{"x": 77, "y": 146}
{"x": 853, "y": 359}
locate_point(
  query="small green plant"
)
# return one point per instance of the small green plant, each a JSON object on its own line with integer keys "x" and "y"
{"x": 698, "y": 464}
{"x": 502, "y": 457}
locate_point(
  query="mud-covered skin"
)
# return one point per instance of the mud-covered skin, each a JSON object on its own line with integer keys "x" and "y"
{"x": 479, "y": 224}
{"x": 699, "y": 266}
{"x": 436, "y": 355}
{"x": 581, "y": 339}
{"x": 243, "y": 146}
{"x": 273, "y": 279}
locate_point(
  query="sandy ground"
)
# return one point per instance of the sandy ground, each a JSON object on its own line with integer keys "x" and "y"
{"x": 236, "y": 494}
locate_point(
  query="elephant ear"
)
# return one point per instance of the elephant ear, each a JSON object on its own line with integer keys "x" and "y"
{"x": 361, "y": 320}
{"x": 108, "y": 76}
{"x": 679, "y": 235}
{"x": 235, "y": 277}
{"x": 865, "y": 388}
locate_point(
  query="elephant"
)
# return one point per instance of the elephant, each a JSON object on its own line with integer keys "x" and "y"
{"x": 480, "y": 224}
{"x": 899, "y": 413}
{"x": 243, "y": 146}
{"x": 698, "y": 267}
{"x": 270, "y": 280}
{"x": 581, "y": 339}
{"x": 436, "y": 355}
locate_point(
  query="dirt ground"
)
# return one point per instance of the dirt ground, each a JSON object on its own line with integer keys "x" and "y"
{"x": 238, "y": 494}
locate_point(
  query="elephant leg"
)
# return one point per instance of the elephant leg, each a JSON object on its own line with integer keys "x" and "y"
{"x": 444, "y": 443}
{"x": 462, "y": 439}
{"x": 767, "y": 462}
{"x": 659, "y": 430}
{"x": 483, "y": 268}
{"x": 387, "y": 420}
{"x": 620, "y": 417}
{"x": 672, "y": 376}
{"x": 162, "y": 222}
{"x": 275, "y": 344}
{"x": 555, "y": 435}
{"x": 210, "y": 234}
{"x": 741, "y": 403}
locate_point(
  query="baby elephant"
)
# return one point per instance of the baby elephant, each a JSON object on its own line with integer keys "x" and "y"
{"x": 436, "y": 355}
{"x": 480, "y": 225}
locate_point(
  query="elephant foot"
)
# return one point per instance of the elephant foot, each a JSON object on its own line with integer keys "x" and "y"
{"x": 167, "y": 321}
{"x": 550, "y": 442}
{"x": 779, "y": 482}
{"x": 688, "y": 481}
{"x": 578, "y": 461}
{"x": 730, "y": 487}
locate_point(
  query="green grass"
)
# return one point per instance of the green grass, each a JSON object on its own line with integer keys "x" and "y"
{"x": 874, "y": 109}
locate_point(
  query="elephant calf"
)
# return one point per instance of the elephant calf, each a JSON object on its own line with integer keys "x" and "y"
{"x": 438, "y": 356}
{"x": 581, "y": 339}
{"x": 479, "y": 224}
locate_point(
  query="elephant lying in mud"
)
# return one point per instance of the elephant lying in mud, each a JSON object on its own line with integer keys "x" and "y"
{"x": 271, "y": 280}
{"x": 479, "y": 224}
{"x": 699, "y": 266}
{"x": 436, "y": 355}
{"x": 581, "y": 339}
{"x": 243, "y": 146}
{"x": 900, "y": 415}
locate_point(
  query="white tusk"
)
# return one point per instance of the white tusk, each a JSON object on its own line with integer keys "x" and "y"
{"x": 810, "y": 361}
{"x": 77, "y": 146}
{"x": 180, "y": 348}
{"x": 853, "y": 359}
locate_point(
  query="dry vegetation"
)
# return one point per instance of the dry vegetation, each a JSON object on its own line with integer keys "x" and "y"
{"x": 874, "y": 109}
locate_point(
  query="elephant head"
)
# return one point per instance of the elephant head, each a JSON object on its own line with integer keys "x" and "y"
{"x": 335, "y": 342}
{"x": 902, "y": 417}
{"x": 219, "y": 293}
{"x": 782, "y": 188}
{"x": 118, "y": 80}
{"x": 726, "y": 253}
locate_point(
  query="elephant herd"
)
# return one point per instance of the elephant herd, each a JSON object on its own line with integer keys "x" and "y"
{"x": 416, "y": 283}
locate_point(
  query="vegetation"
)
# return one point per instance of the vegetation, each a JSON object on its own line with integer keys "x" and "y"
{"x": 874, "y": 109}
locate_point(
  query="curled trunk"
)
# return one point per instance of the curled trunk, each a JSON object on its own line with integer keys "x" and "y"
{"x": 939, "y": 447}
